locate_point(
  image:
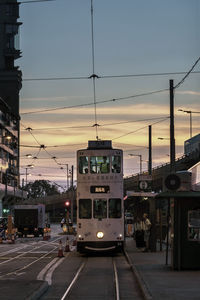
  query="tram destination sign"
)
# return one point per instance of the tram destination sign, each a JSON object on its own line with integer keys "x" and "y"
{"x": 100, "y": 189}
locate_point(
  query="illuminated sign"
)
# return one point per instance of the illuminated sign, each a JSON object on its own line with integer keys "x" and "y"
{"x": 99, "y": 189}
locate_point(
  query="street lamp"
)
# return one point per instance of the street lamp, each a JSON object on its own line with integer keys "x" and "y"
{"x": 67, "y": 174}
{"x": 190, "y": 112}
{"x": 140, "y": 156}
{"x": 54, "y": 158}
{"x": 26, "y": 168}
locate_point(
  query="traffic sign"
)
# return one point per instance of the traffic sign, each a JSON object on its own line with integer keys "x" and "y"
{"x": 145, "y": 182}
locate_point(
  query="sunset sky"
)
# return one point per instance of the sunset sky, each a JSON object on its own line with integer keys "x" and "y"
{"x": 131, "y": 37}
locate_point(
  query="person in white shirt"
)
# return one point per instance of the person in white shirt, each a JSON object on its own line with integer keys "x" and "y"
{"x": 146, "y": 226}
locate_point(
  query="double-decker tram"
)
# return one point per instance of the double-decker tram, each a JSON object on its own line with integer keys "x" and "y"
{"x": 100, "y": 210}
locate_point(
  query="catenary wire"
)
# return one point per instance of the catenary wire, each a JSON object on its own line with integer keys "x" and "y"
{"x": 98, "y": 102}
{"x": 139, "y": 129}
{"x": 93, "y": 69}
{"x": 117, "y": 99}
{"x": 108, "y": 124}
{"x": 108, "y": 76}
{"x": 33, "y": 1}
{"x": 187, "y": 74}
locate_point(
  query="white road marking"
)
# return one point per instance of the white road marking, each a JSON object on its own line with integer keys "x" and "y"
{"x": 45, "y": 269}
{"x": 48, "y": 276}
{"x": 73, "y": 281}
{"x": 116, "y": 281}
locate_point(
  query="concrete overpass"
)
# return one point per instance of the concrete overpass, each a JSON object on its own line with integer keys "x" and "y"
{"x": 55, "y": 205}
{"x": 185, "y": 162}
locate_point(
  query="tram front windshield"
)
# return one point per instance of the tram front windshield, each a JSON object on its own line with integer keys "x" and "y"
{"x": 100, "y": 208}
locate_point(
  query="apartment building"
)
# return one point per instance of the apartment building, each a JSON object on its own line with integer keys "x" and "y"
{"x": 10, "y": 85}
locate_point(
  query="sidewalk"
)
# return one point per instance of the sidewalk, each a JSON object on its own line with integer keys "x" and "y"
{"x": 159, "y": 281}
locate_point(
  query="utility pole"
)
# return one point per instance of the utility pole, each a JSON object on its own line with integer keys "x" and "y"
{"x": 26, "y": 175}
{"x": 172, "y": 156}
{"x": 72, "y": 188}
{"x": 150, "y": 151}
{"x": 172, "y": 139}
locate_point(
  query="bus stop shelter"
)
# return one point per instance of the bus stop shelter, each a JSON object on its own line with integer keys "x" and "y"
{"x": 183, "y": 229}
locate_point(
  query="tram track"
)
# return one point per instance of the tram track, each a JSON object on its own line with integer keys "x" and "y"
{"x": 113, "y": 281}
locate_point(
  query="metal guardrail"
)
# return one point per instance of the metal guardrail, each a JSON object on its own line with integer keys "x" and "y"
{"x": 193, "y": 155}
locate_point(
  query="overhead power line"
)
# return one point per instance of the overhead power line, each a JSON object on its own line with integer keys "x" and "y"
{"x": 134, "y": 131}
{"x": 55, "y": 146}
{"x": 188, "y": 73}
{"x": 34, "y": 1}
{"x": 108, "y": 76}
{"x": 98, "y": 102}
{"x": 89, "y": 126}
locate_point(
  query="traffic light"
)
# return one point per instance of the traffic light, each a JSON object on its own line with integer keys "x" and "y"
{"x": 67, "y": 205}
{"x": 6, "y": 210}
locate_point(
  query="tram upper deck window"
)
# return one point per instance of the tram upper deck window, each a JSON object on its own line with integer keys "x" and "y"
{"x": 99, "y": 164}
{"x": 100, "y": 208}
{"x": 194, "y": 225}
{"x": 115, "y": 210}
{"x": 85, "y": 208}
{"x": 83, "y": 164}
{"x": 116, "y": 164}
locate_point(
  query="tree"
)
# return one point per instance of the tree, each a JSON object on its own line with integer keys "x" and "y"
{"x": 41, "y": 188}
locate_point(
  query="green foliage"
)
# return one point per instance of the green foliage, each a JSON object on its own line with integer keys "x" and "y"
{"x": 41, "y": 188}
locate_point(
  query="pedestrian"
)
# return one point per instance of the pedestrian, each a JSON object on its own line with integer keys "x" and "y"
{"x": 63, "y": 221}
{"x": 138, "y": 234}
{"x": 146, "y": 226}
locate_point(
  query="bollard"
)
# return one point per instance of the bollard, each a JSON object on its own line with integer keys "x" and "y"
{"x": 45, "y": 238}
{"x": 13, "y": 239}
{"x": 67, "y": 249}
{"x": 60, "y": 250}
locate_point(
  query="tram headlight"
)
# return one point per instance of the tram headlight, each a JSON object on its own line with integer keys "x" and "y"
{"x": 120, "y": 236}
{"x": 100, "y": 235}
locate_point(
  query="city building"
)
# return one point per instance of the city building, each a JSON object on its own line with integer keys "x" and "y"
{"x": 10, "y": 85}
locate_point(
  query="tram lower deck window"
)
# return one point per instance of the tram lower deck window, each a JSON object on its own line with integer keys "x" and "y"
{"x": 85, "y": 208}
{"x": 100, "y": 208}
{"x": 115, "y": 210}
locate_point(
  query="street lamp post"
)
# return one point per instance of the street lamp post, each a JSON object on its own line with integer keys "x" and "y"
{"x": 140, "y": 156}
{"x": 190, "y": 112}
{"x": 26, "y": 168}
{"x": 67, "y": 174}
